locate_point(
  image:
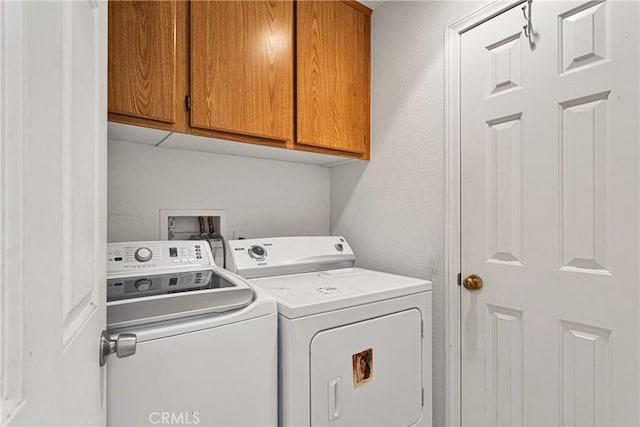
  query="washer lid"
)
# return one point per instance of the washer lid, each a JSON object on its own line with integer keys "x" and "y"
{"x": 158, "y": 297}
{"x": 300, "y": 295}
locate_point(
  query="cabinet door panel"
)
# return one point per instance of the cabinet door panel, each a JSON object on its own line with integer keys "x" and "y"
{"x": 242, "y": 67}
{"x": 142, "y": 59}
{"x": 333, "y": 66}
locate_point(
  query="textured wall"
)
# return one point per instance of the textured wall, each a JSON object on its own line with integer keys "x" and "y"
{"x": 262, "y": 197}
{"x": 392, "y": 209}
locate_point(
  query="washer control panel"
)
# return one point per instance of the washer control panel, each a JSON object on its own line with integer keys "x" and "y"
{"x": 160, "y": 255}
{"x": 157, "y": 284}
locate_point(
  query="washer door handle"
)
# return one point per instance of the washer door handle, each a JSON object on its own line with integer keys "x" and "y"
{"x": 335, "y": 399}
{"x": 124, "y": 345}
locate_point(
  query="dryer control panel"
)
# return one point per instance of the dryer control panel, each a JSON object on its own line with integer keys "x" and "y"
{"x": 273, "y": 256}
{"x": 137, "y": 257}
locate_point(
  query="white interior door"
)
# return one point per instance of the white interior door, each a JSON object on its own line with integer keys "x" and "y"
{"x": 53, "y": 180}
{"x": 550, "y": 216}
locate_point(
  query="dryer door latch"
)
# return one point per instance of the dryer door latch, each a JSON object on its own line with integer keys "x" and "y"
{"x": 335, "y": 399}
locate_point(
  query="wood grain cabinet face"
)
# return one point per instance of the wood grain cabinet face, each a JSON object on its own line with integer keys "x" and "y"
{"x": 246, "y": 81}
{"x": 333, "y": 75}
{"x": 142, "y": 59}
{"x": 242, "y": 67}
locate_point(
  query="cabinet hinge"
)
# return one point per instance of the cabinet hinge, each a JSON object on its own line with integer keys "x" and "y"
{"x": 423, "y": 396}
{"x": 187, "y": 102}
{"x": 459, "y": 279}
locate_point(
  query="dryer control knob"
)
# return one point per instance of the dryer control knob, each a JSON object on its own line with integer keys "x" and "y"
{"x": 143, "y": 254}
{"x": 257, "y": 252}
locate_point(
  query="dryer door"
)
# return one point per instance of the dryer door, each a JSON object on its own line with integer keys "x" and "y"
{"x": 368, "y": 373}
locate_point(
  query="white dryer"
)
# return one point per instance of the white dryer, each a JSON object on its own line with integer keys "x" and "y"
{"x": 354, "y": 344}
{"x": 206, "y": 341}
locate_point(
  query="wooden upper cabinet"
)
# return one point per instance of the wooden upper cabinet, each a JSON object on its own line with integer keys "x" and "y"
{"x": 271, "y": 72}
{"x": 242, "y": 68}
{"x": 142, "y": 59}
{"x": 333, "y": 75}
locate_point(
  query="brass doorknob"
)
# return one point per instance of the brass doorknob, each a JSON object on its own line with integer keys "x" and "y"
{"x": 473, "y": 282}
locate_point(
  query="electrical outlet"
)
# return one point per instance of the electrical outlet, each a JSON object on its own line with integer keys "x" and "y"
{"x": 238, "y": 235}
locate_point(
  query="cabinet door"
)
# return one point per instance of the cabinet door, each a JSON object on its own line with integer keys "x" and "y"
{"x": 333, "y": 74}
{"x": 142, "y": 59}
{"x": 242, "y": 67}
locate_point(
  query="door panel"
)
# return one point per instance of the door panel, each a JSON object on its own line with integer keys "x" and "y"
{"x": 242, "y": 67}
{"x": 393, "y": 394}
{"x": 550, "y": 211}
{"x": 56, "y": 212}
{"x": 493, "y": 86}
{"x": 584, "y": 142}
{"x": 333, "y": 73}
{"x": 142, "y": 59}
{"x": 80, "y": 120}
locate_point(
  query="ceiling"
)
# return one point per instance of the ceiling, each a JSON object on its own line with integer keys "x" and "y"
{"x": 372, "y": 3}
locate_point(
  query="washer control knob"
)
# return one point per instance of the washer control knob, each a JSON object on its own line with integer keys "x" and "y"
{"x": 339, "y": 247}
{"x": 143, "y": 284}
{"x": 143, "y": 254}
{"x": 257, "y": 252}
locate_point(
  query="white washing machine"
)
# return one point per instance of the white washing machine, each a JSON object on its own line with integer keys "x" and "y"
{"x": 206, "y": 340}
{"x": 354, "y": 344}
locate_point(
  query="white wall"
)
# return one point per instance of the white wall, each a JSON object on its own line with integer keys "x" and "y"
{"x": 262, "y": 197}
{"x": 392, "y": 210}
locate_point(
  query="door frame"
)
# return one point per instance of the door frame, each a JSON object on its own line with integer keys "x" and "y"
{"x": 12, "y": 141}
{"x": 453, "y": 295}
